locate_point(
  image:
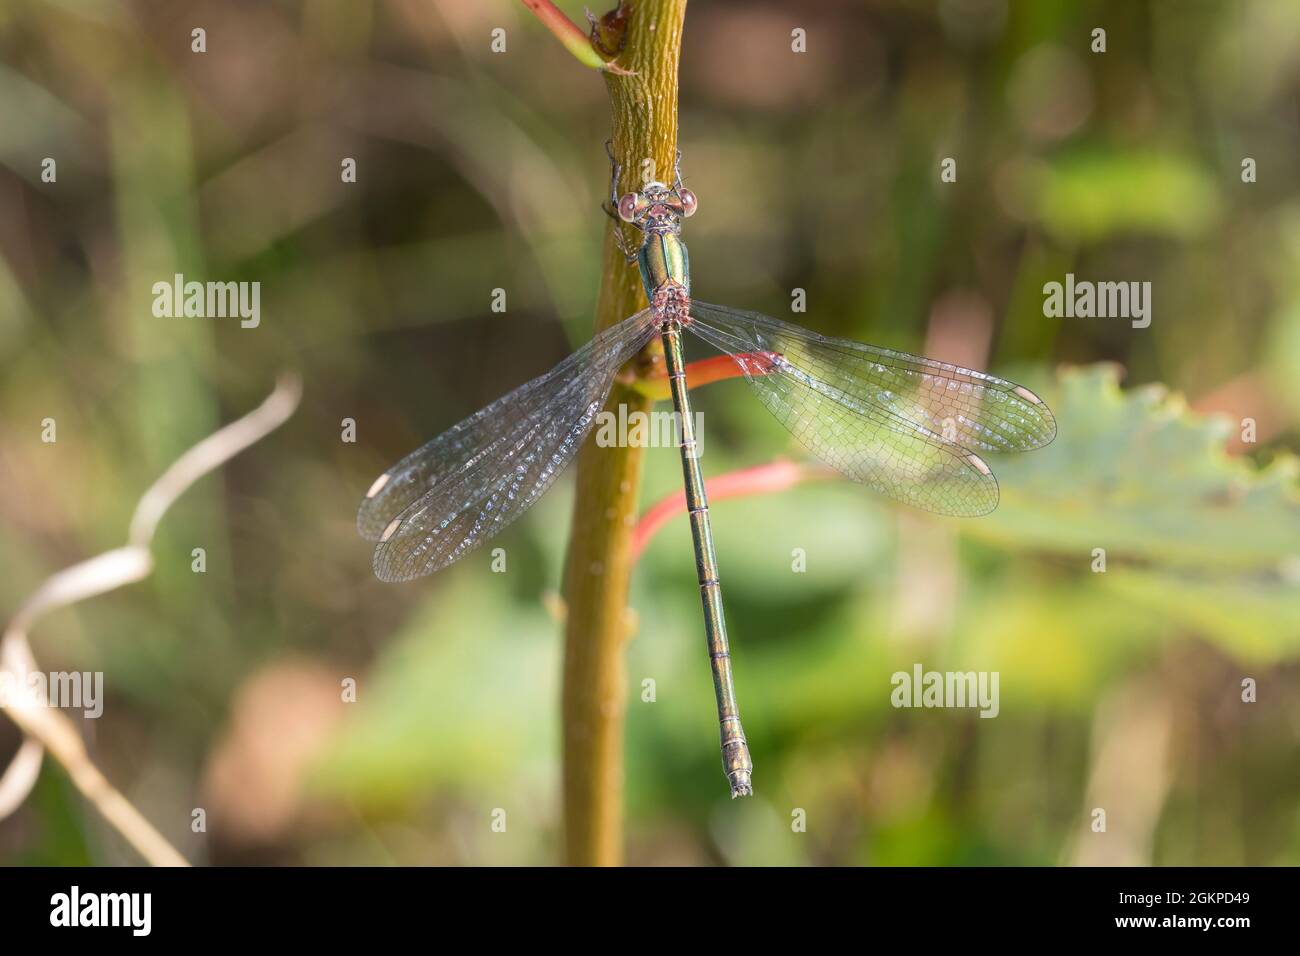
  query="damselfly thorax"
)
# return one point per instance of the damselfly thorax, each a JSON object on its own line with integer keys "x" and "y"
{"x": 658, "y": 210}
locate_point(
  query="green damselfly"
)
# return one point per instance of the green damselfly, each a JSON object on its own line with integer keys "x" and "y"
{"x": 906, "y": 426}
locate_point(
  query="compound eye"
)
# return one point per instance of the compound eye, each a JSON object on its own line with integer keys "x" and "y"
{"x": 689, "y": 203}
{"x": 628, "y": 207}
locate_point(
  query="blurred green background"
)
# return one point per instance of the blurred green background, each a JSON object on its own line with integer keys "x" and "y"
{"x": 481, "y": 170}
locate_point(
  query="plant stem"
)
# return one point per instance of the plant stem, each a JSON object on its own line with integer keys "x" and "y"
{"x": 644, "y": 108}
{"x": 567, "y": 32}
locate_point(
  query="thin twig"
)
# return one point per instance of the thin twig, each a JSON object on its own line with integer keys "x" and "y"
{"x": 47, "y": 728}
{"x": 20, "y": 776}
{"x": 211, "y": 453}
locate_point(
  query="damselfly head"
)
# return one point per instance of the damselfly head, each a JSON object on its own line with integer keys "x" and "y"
{"x": 657, "y": 200}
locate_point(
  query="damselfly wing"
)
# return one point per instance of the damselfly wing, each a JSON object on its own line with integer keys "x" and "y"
{"x": 906, "y": 426}
{"x": 450, "y": 495}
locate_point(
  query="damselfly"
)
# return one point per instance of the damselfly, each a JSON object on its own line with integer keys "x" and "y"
{"x": 906, "y": 426}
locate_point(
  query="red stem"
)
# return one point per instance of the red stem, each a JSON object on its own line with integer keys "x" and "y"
{"x": 761, "y": 479}
{"x": 566, "y": 31}
{"x": 574, "y": 40}
{"x": 716, "y": 369}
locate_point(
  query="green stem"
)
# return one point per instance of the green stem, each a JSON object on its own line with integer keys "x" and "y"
{"x": 644, "y": 108}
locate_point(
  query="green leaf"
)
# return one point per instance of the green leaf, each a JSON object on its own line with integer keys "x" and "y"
{"x": 1252, "y": 618}
{"x": 1090, "y": 195}
{"x": 463, "y": 696}
{"x": 1188, "y": 531}
{"x": 1138, "y": 474}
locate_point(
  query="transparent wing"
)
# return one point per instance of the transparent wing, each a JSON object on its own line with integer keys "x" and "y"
{"x": 449, "y": 496}
{"x": 902, "y": 424}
